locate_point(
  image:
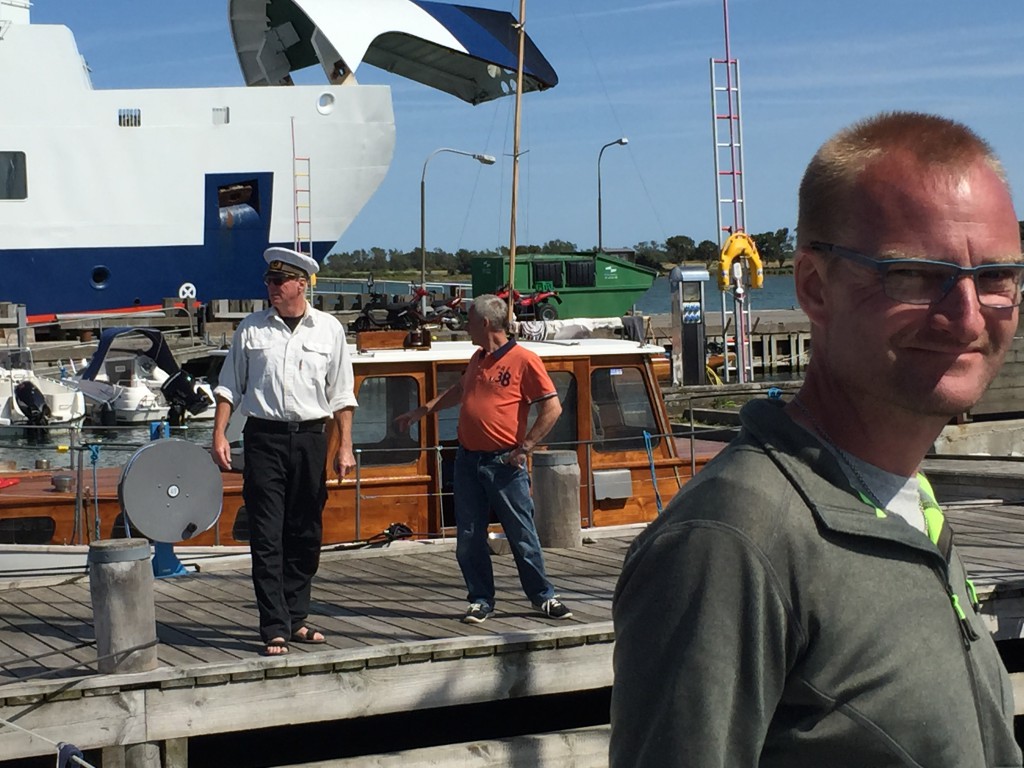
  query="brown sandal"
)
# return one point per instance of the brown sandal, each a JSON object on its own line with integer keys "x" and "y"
{"x": 309, "y": 636}
{"x": 275, "y": 643}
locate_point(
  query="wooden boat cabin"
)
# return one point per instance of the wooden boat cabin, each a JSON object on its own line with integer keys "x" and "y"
{"x": 613, "y": 417}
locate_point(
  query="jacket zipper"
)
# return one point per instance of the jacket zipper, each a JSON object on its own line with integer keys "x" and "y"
{"x": 968, "y": 635}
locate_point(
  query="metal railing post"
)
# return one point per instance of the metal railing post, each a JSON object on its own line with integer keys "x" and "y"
{"x": 359, "y": 491}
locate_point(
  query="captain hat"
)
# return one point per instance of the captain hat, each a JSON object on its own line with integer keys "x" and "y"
{"x": 289, "y": 262}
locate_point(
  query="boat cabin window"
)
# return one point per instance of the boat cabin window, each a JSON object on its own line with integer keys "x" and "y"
{"x": 621, "y": 410}
{"x": 381, "y": 399}
{"x": 27, "y": 530}
{"x": 13, "y": 179}
{"x": 448, "y": 419}
{"x": 564, "y": 434}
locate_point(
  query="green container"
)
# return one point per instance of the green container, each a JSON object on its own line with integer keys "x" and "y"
{"x": 589, "y": 284}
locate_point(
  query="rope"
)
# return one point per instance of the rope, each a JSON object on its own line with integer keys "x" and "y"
{"x": 65, "y": 752}
{"x": 654, "y": 474}
{"x": 58, "y": 670}
{"x": 94, "y": 457}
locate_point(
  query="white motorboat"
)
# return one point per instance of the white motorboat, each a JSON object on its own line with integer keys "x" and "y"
{"x": 31, "y": 401}
{"x": 133, "y": 378}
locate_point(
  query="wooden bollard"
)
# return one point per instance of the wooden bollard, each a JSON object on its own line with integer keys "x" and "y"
{"x": 556, "y": 498}
{"x": 124, "y": 616}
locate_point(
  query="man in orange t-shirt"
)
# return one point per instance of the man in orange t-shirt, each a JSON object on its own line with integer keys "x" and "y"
{"x": 496, "y": 391}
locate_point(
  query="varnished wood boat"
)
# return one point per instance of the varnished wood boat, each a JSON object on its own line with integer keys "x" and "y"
{"x": 610, "y": 398}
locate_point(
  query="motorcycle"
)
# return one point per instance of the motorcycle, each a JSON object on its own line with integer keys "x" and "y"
{"x": 533, "y": 306}
{"x": 443, "y": 312}
{"x": 380, "y": 313}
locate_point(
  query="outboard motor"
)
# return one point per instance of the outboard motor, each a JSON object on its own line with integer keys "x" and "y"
{"x": 32, "y": 403}
{"x": 182, "y": 396}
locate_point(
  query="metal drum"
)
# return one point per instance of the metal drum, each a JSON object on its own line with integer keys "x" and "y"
{"x": 171, "y": 490}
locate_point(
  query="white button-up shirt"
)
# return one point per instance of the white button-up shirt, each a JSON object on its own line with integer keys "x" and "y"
{"x": 272, "y": 372}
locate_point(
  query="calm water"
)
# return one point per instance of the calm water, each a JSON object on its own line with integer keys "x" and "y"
{"x": 112, "y": 447}
{"x": 778, "y": 292}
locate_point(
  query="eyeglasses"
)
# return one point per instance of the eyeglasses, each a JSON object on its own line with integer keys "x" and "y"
{"x": 278, "y": 280}
{"x": 922, "y": 281}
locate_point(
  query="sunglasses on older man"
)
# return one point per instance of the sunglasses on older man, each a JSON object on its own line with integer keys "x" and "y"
{"x": 924, "y": 282}
{"x": 278, "y": 280}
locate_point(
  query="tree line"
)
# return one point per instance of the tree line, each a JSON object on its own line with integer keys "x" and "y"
{"x": 775, "y": 249}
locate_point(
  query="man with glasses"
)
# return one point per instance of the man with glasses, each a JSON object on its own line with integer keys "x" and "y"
{"x": 800, "y": 603}
{"x": 289, "y": 372}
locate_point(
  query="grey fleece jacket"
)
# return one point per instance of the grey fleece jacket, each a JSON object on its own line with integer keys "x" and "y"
{"x": 771, "y": 618}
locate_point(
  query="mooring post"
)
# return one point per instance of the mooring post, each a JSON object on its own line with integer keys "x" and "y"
{"x": 121, "y": 586}
{"x": 124, "y": 618}
{"x": 556, "y": 498}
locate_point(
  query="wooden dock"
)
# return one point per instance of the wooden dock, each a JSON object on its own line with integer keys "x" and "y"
{"x": 395, "y": 644}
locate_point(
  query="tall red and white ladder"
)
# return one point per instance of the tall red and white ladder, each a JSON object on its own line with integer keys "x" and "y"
{"x": 731, "y": 208}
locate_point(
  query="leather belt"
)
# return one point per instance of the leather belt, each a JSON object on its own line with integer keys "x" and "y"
{"x": 269, "y": 426}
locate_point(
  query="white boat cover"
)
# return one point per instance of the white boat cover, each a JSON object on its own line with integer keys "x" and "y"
{"x": 468, "y": 52}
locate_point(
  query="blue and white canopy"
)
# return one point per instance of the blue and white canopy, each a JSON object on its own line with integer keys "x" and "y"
{"x": 468, "y": 52}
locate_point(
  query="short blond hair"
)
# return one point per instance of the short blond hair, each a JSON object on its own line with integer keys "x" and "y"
{"x": 929, "y": 141}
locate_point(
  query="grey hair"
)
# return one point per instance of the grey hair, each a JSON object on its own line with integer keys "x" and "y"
{"x": 492, "y": 309}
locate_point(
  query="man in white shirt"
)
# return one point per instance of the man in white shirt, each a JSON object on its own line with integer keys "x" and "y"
{"x": 290, "y": 373}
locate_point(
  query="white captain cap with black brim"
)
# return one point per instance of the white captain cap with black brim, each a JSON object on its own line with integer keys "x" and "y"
{"x": 288, "y": 262}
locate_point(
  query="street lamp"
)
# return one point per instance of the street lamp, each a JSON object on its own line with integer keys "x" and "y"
{"x": 485, "y": 160}
{"x": 623, "y": 141}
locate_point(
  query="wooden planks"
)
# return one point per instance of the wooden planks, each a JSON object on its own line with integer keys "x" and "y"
{"x": 395, "y": 642}
{"x": 412, "y": 593}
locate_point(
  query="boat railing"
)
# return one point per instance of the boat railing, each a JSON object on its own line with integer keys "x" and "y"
{"x": 86, "y": 445}
{"x": 365, "y": 491}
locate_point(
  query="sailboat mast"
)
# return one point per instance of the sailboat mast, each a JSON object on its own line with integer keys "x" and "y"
{"x": 521, "y": 28}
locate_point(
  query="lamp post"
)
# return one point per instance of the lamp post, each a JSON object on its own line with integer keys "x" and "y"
{"x": 485, "y": 160}
{"x": 623, "y": 141}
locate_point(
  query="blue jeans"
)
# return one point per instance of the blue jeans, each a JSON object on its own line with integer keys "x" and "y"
{"x": 482, "y": 482}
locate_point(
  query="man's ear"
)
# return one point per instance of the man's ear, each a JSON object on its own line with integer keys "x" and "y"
{"x": 810, "y": 276}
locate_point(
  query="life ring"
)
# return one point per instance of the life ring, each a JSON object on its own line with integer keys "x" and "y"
{"x": 187, "y": 291}
{"x": 740, "y": 245}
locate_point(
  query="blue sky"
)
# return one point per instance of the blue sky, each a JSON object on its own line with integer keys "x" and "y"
{"x": 639, "y": 70}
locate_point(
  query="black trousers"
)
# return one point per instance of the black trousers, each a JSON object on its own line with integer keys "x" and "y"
{"x": 285, "y": 491}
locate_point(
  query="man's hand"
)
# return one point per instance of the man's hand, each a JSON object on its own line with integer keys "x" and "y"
{"x": 221, "y": 451}
{"x": 517, "y": 456}
{"x": 345, "y": 462}
{"x": 403, "y": 422}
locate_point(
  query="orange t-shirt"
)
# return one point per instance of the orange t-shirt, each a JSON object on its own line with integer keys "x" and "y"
{"x": 497, "y": 392}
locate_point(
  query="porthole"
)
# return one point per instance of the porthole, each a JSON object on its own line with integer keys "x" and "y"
{"x": 325, "y": 104}
{"x": 100, "y": 277}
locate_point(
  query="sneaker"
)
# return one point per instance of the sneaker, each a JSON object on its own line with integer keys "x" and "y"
{"x": 477, "y": 613}
{"x": 554, "y": 608}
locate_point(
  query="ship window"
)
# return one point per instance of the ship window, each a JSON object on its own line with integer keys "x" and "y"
{"x": 621, "y": 410}
{"x": 27, "y": 530}
{"x": 221, "y": 115}
{"x": 100, "y": 277}
{"x": 13, "y": 181}
{"x": 381, "y": 399}
{"x": 129, "y": 118}
{"x": 448, "y": 419}
{"x": 563, "y": 435}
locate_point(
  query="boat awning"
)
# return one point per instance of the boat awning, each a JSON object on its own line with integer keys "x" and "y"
{"x": 467, "y": 52}
{"x": 147, "y": 341}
